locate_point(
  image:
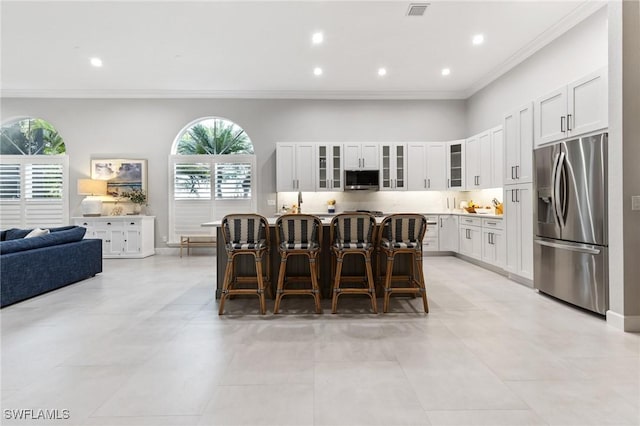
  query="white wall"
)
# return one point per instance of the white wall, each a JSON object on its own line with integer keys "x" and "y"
{"x": 576, "y": 53}
{"x": 146, "y": 128}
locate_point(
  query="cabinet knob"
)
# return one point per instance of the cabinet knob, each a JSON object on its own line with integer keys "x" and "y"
{"x": 132, "y": 223}
{"x": 108, "y": 223}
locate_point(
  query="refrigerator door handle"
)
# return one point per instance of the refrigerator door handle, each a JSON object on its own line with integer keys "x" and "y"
{"x": 578, "y": 248}
{"x": 556, "y": 189}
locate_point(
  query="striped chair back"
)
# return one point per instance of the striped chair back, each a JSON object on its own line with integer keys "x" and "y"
{"x": 353, "y": 230}
{"x": 298, "y": 231}
{"x": 244, "y": 230}
{"x": 404, "y": 230}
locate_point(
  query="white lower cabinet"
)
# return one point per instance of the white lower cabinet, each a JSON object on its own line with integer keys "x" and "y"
{"x": 493, "y": 243}
{"x": 122, "y": 236}
{"x": 448, "y": 233}
{"x": 431, "y": 237}
{"x": 471, "y": 237}
{"x": 518, "y": 211}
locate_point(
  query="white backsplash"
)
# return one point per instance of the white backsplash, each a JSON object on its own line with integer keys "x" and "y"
{"x": 388, "y": 201}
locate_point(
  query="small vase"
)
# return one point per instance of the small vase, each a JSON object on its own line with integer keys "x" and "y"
{"x": 331, "y": 208}
{"x": 137, "y": 208}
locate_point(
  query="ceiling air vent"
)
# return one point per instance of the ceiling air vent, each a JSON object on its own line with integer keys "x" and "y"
{"x": 417, "y": 9}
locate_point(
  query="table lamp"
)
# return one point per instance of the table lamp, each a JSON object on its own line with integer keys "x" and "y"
{"x": 91, "y": 205}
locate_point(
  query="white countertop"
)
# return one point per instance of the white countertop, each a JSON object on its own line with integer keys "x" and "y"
{"x": 326, "y": 217}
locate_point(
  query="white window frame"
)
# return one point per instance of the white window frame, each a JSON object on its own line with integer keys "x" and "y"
{"x": 187, "y": 214}
{"x": 26, "y": 212}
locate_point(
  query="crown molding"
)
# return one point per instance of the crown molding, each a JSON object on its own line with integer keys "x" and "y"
{"x": 579, "y": 14}
{"x": 234, "y": 94}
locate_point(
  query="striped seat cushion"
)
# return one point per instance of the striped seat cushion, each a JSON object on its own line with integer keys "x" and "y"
{"x": 299, "y": 246}
{"x": 299, "y": 233}
{"x": 240, "y": 245}
{"x": 400, "y": 244}
{"x": 356, "y": 245}
{"x": 353, "y": 232}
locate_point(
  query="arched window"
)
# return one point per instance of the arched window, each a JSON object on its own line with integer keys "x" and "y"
{"x": 212, "y": 170}
{"x": 33, "y": 175}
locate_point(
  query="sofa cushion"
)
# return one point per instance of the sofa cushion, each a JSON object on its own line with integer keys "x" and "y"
{"x": 37, "y": 232}
{"x": 16, "y": 233}
{"x": 63, "y": 236}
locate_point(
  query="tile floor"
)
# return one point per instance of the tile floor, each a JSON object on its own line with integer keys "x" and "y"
{"x": 142, "y": 344}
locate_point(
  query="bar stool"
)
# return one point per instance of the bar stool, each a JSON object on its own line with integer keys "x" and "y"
{"x": 352, "y": 233}
{"x": 403, "y": 234}
{"x": 246, "y": 235}
{"x": 298, "y": 235}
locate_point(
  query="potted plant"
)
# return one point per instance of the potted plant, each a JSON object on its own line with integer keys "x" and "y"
{"x": 138, "y": 197}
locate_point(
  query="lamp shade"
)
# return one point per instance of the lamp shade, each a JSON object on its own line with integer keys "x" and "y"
{"x": 92, "y": 187}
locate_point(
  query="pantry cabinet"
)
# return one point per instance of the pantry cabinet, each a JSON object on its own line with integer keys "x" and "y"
{"x": 122, "y": 236}
{"x": 295, "y": 169}
{"x": 393, "y": 167}
{"x": 518, "y": 212}
{"x": 577, "y": 108}
{"x": 497, "y": 158}
{"x": 329, "y": 171}
{"x": 518, "y": 145}
{"x": 361, "y": 156}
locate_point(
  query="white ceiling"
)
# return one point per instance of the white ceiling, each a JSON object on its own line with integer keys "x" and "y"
{"x": 264, "y": 49}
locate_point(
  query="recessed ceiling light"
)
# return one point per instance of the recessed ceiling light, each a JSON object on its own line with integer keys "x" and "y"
{"x": 446, "y": 71}
{"x": 317, "y": 38}
{"x": 96, "y": 62}
{"x": 317, "y": 71}
{"x": 382, "y": 72}
{"x": 478, "y": 39}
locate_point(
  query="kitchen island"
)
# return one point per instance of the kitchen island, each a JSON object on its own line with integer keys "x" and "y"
{"x": 298, "y": 265}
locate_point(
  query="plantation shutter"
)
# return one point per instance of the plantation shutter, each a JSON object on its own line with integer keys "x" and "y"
{"x": 205, "y": 188}
{"x": 33, "y": 191}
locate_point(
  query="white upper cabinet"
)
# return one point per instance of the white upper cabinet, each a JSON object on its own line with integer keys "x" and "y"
{"x": 361, "y": 156}
{"x": 518, "y": 145}
{"x": 481, "y": 154}
{"x": 437, "y": 166}
{"x": 295, "y": 169}
{"x": 393, "y": 167}
{"x": 497, "y": 157}
{"x": 329, "y": 171}
{"x": 455, "y": 165}
{"x": 572, "y": 110}
{"x": 472, "y": 154}
{"x": 427, "y": 166}
{"x": 417, "y": 166}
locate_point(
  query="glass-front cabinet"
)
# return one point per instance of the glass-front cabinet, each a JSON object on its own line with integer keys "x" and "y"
{"x": 330, "y": 167}
{"x": 455, "y": 164}
{"x": 393, "y": 167}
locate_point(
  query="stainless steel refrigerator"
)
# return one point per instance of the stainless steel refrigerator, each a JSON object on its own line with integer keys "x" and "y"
{"x": 570, "y": 248}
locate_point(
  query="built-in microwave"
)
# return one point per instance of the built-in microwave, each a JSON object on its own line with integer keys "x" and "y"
{"x": 361, "y": 180}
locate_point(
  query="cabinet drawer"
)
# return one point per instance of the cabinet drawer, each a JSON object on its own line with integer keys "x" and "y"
{"x": 84, "y": 223}
{"x": 492, "y": 223}
{"x": 108, "y": 224}
{"x": 470, "y": 221}
{"x": 131, "y": 224}
{"x": 430, "y": 244}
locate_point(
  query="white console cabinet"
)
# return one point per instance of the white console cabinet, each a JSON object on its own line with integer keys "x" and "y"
{"x": 122, "y": 236}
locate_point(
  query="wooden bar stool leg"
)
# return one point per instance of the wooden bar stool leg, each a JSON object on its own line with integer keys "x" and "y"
{"x": 313, "y": 266}
{"x": 387, "y": 283}
{"x": 371, "y": 282}
{"x": 263, "y": 303}
{"x": 280, "y": 287}
{"x": 268, "y": 283}
{"x": 336, "y": 283}
{"x": 225, "y": 283}
{"x": 421, "y": 283}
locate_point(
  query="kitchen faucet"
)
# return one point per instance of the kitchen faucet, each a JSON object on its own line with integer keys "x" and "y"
{"x": 299, "y": 202}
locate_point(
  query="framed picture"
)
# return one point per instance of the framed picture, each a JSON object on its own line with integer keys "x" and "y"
{"x": 122, "y": 175}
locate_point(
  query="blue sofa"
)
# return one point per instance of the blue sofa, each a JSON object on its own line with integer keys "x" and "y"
{"x": 33, "y": 266}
